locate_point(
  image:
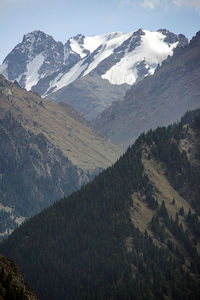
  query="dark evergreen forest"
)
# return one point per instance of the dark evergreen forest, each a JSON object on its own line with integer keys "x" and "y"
{"x": 26, "y": 186}
{"x": 77, "y": 248}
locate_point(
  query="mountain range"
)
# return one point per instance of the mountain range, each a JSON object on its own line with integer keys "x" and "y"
{"x": 47, "y": 150}
{"x": 131, "y": 233}
{"x": 78, "y": 71}
{"x": 157, "y": 100}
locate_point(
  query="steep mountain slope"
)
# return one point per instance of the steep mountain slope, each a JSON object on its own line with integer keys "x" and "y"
{"x": 90, "y": 94}
{"x": 60, "y": 124}
{"x": 156, "y": 100}
{"x": 45, "y": 66}
{"x": 37, "y": 56}
{"x": 12, "y": 284}
{"x": 132, "y": 233}
{"x": 46, "y": 151}
{"x": 30, "y": 165}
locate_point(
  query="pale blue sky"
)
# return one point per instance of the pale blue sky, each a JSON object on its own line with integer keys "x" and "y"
{"x": 65, "y": 18}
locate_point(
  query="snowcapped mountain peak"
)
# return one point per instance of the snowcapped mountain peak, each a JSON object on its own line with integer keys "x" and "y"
{"x": 36, "y": 42}
{"x": 143, "y": 52}
{"x": 75, "y": 44}
{"x": 86, "y": 45}
{"x": 44, "y": 65}
{"x": 91, "y": 43}
{"x": 171, "y": 38}
{"x": 79, "y": 38}
{"x": 37, "y": 56}
{"x": 36, "y": 34}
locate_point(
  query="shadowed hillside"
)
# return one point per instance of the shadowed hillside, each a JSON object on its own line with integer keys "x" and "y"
{"x": 132, "y": 233}
{"x": 46, "y": 151}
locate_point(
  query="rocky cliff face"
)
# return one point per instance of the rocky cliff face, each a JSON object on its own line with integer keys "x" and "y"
{"x": 37, "y": 53}
{"x": 156, "y": 100}
{"x": 90, "y": 94}
{"x": 12, "y": 285}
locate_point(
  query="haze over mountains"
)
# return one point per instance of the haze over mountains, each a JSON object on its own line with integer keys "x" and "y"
{"x": 110, "y": 62}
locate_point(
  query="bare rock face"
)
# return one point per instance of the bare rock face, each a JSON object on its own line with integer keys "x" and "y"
{"x": 90, "y": 95}
{"x": 156, "y": 100}
{"x": 12, "y": 285}
{"x": 34, "y": 44}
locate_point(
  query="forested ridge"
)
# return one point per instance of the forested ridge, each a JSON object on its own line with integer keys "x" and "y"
{"x": 89, "y": 245}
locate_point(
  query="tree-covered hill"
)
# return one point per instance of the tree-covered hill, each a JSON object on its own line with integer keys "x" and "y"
{"x": 132, "y": 233}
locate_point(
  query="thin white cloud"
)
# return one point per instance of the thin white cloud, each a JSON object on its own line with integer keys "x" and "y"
{"x": 125, "y": 3}
{"x": 188, "y": 3}
{"x": 152, "y": 4}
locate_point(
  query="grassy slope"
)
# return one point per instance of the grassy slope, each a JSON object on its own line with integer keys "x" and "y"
{"x": 60, "y": 124}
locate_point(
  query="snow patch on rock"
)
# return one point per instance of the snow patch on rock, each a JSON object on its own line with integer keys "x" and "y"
{"x": 32, "y": 74}
{"x": 152, "y": 49}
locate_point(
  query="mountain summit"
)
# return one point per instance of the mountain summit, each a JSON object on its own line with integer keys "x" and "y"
{"x": 157, "y": 100}
{"x": 37, "y": 56}
{"x": 46, "y": 66}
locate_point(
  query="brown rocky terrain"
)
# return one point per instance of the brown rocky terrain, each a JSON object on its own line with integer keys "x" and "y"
{"x": 12, "y": 285}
